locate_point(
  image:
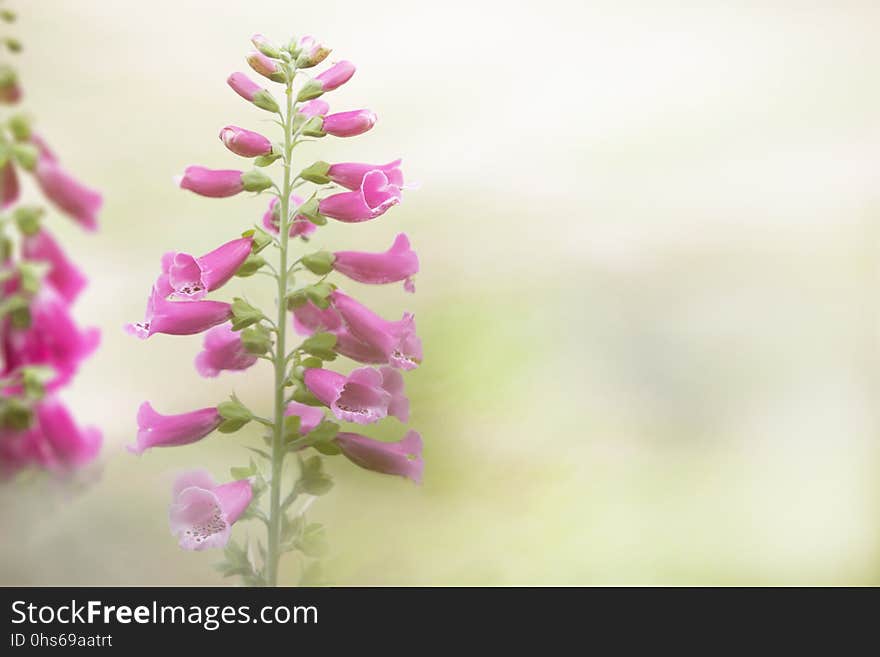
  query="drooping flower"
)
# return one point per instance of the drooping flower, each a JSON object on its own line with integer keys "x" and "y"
{"x": 312, "y": 52}
{"x": 336, "y": 76}
{"x": 315, "y": 107}
{"x": 178, "y": 317}
{"x": 349, "y": 124}
{"x": 192, "y": 278}
{"x": 63, "y": 275}
{"x": 223, "y": 350}
{"x": 402, "y": 458}
{"x": 309, "y": 416}
{"x": 52, "y": 339}
{"x": 71, "y": 196}
{"x": 9, "y": 188}
{"x": 351, "y": 174}
{"x": 202, "y": 513}
{"x": 353, "y": 347}
{"x": 299, "y": 227}
{"x": 156, "y": 430}
{"x": 245, "y": 142}
{"x": 373, "y": 199}
{"x": 71, "y": 446}
{"x": 364, "y": 396}
{"x": 213, "y": 183}
{"x": 396, "y": 340}
{"x": 308, "y": 319}
{"x": 398, "y": 263}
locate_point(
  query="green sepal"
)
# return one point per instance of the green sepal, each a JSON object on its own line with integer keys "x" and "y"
{"x": 264, "y": 100}
{"x": 29, "y": 277}
{"x": 319, "y": 262}
{"x": 313, "y": 542}
{"x": 316, "y": 173}
{"x": 244, "y": 314}
{"x": 15, "y": 414}
{"x": 314, "y": 127}
{"x": 261, "y": 239}
{"x": 290, "y": 428}
{"x": 250, "y": 266}
{"x": 16, "y": 307}
{"x": 313, "y": 480}
{"x": 26, "y": 155}
{"x": 320, "y": 345}
{"x": 244, "y": 472}
{"x": 34, "y": 379}
{"x": 303, "y": 395}
{"x": 255, "y": 181}
{"x": 27, "y": 218}
{"x": 235, "y": 415}
{"x": 266, "y": 160}
{"x": 310, "y": 90}
{"x": 256, "y": 339}
{"x": 20, "y": 127}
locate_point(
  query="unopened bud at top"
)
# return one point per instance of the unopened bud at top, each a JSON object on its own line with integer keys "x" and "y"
{"x": 349, "y": 124}
{"x": 266, "y": 67}
{"x": 263, "y": 44}
{"x": 311, "y": 52}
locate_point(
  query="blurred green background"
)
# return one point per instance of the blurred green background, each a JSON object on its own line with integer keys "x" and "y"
{"x": 648, "y": 297}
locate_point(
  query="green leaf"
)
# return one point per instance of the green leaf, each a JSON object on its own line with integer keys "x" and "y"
{"x": 290, "y": 428}
{"x": 313, "y": 480}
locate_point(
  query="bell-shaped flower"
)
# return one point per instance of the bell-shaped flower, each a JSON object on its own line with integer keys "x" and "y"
{"x": 373, "y": 199}
{"x": 352, "y": 347}
{"x": 202, "y": 513}
{"x": 396, "y": 340}
{"x": 336, "y": 76}
{"x": 398, "y": 263}
{"x": 245, "y": 142}
{"x": 178, "y": 317}
{"x": 366, "y": 395}
{"x": 156, "y": 430}
{"x": 9, "y": 188}
{"x": 192, "y": 278}
{"x": 71, "y": 196}
{"x": 402, "y": 458}
{"x": 308, "y": 319}
{"x": 299, "y": 227}
{"x": 223, "y": 350}
{"x": 309, "y": 416}
{"x": 351, "y": 174}
{"x": 349, "y": 124}
{"x": 213, "y": 183}
{"x": 52, "y": 339}
{"x": 63, "y": 275}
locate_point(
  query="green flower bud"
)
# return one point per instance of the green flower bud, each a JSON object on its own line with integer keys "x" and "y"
{"x": 316, "y": 173}
{"x": 27, "y": 218}
{"x": 255, "y": 181}
{"x": 25, "y": 155}
{"x": 20, "y": 126}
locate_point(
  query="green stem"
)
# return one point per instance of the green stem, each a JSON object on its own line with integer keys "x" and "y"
{"x": 280, "y": 360}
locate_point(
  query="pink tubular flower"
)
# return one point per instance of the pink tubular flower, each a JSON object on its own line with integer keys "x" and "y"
{"x": 156, "y": 430}
{"x": 309, "y": 416}
{"x": 349, "y": 124}
{"x": 263, "y": 65}
{"x": 312, "y": 52}
{"x": 398, "y": 263}
{"x": 402, "y": 458}
{"x": 352, "y": 347}
{"x": 364, "y": 396}
{"x": 336, "y": 76}
{"x": 63, "y": 275}
{"x": 245, "y": 142}
{"x": 9, "y": 189}
{"x": 202, "y": 513}
{"x": 373, "y": 199}
{"x": 315, "y": 107}
{"x": 244, "y": 86}
{"x": 72, "y": 197}
{"x": 52, "y": 339}
{"x": 396, "y": 340}
{"x": 351, "y": 174}
{"x": 308, "y": 319}
{"x": 212, "y": 183}
{"x": 178, "y": 317}
{"x": 192, "y": 278}
{"x": 223, "y": 350}
{"x": 299, "y": 227}
{"x": 71, "y": 446}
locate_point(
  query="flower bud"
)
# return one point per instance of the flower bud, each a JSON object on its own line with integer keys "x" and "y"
{"x": 10, "y": 92}
{"x": 266, "y": 67}
{"x": 263, "y": 44}
{"x": 336, "y": 75}
{"x": 20, "y": 126}
{"x": 245, "y": 142}
{"x": 252, "y": 92}
{"x": 314, "y": 108}
{"x": 317, "y": 173}
{"x": 255, "y": 181}
{"x": 349, "y": 124}
{"x": 310, "y": 90}
{"x": 311, "y": 53}
{"x": 212, "y": 183}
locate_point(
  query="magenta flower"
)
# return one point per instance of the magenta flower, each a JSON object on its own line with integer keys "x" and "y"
{"x": 309, "y": 416}
{"x": 192, "y": 278}
{"x": 9, "y": 189}
{"x": 156, "y": 430}
{"x": 315, "y": 107}
{"x": 353, "y": 347}
{"x": 244, "y": 86}
{"x": 398, "y": 263}
{"x": 351, "y": 174}
{"x": 178, "y": 317}
{"x": 22, "y": 449}
{"x": 72, "y": 197}
{"x": 373, "y": 199}
{"x": 263, "y": 65}
{"x": 308, "y": 319}
{"x": 336, "y": 76}
{"x": 223, "y": 350}
{"x": 349, "y": 124}
{"x": 245, "y": 142}
{"x": 71, "y": 446}
{"x": 212, "y": 183}
{"x": 402, "y": 458}
{"x": 299, "y": 227}
{"x": 202, "y": 513}
{"x": 312, "y": 52}
{"x": 396, "y": 340}
{"x": 63, "y": 275}
{"x": 364, "y": 396}
{"x": 52, "y": 339}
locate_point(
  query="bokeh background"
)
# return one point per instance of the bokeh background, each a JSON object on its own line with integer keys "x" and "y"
{"x": 648, "y": 235}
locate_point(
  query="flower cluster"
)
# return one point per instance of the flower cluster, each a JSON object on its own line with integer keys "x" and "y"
{"x": 331, "y": 323}
{"x": 41, "y": 346}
